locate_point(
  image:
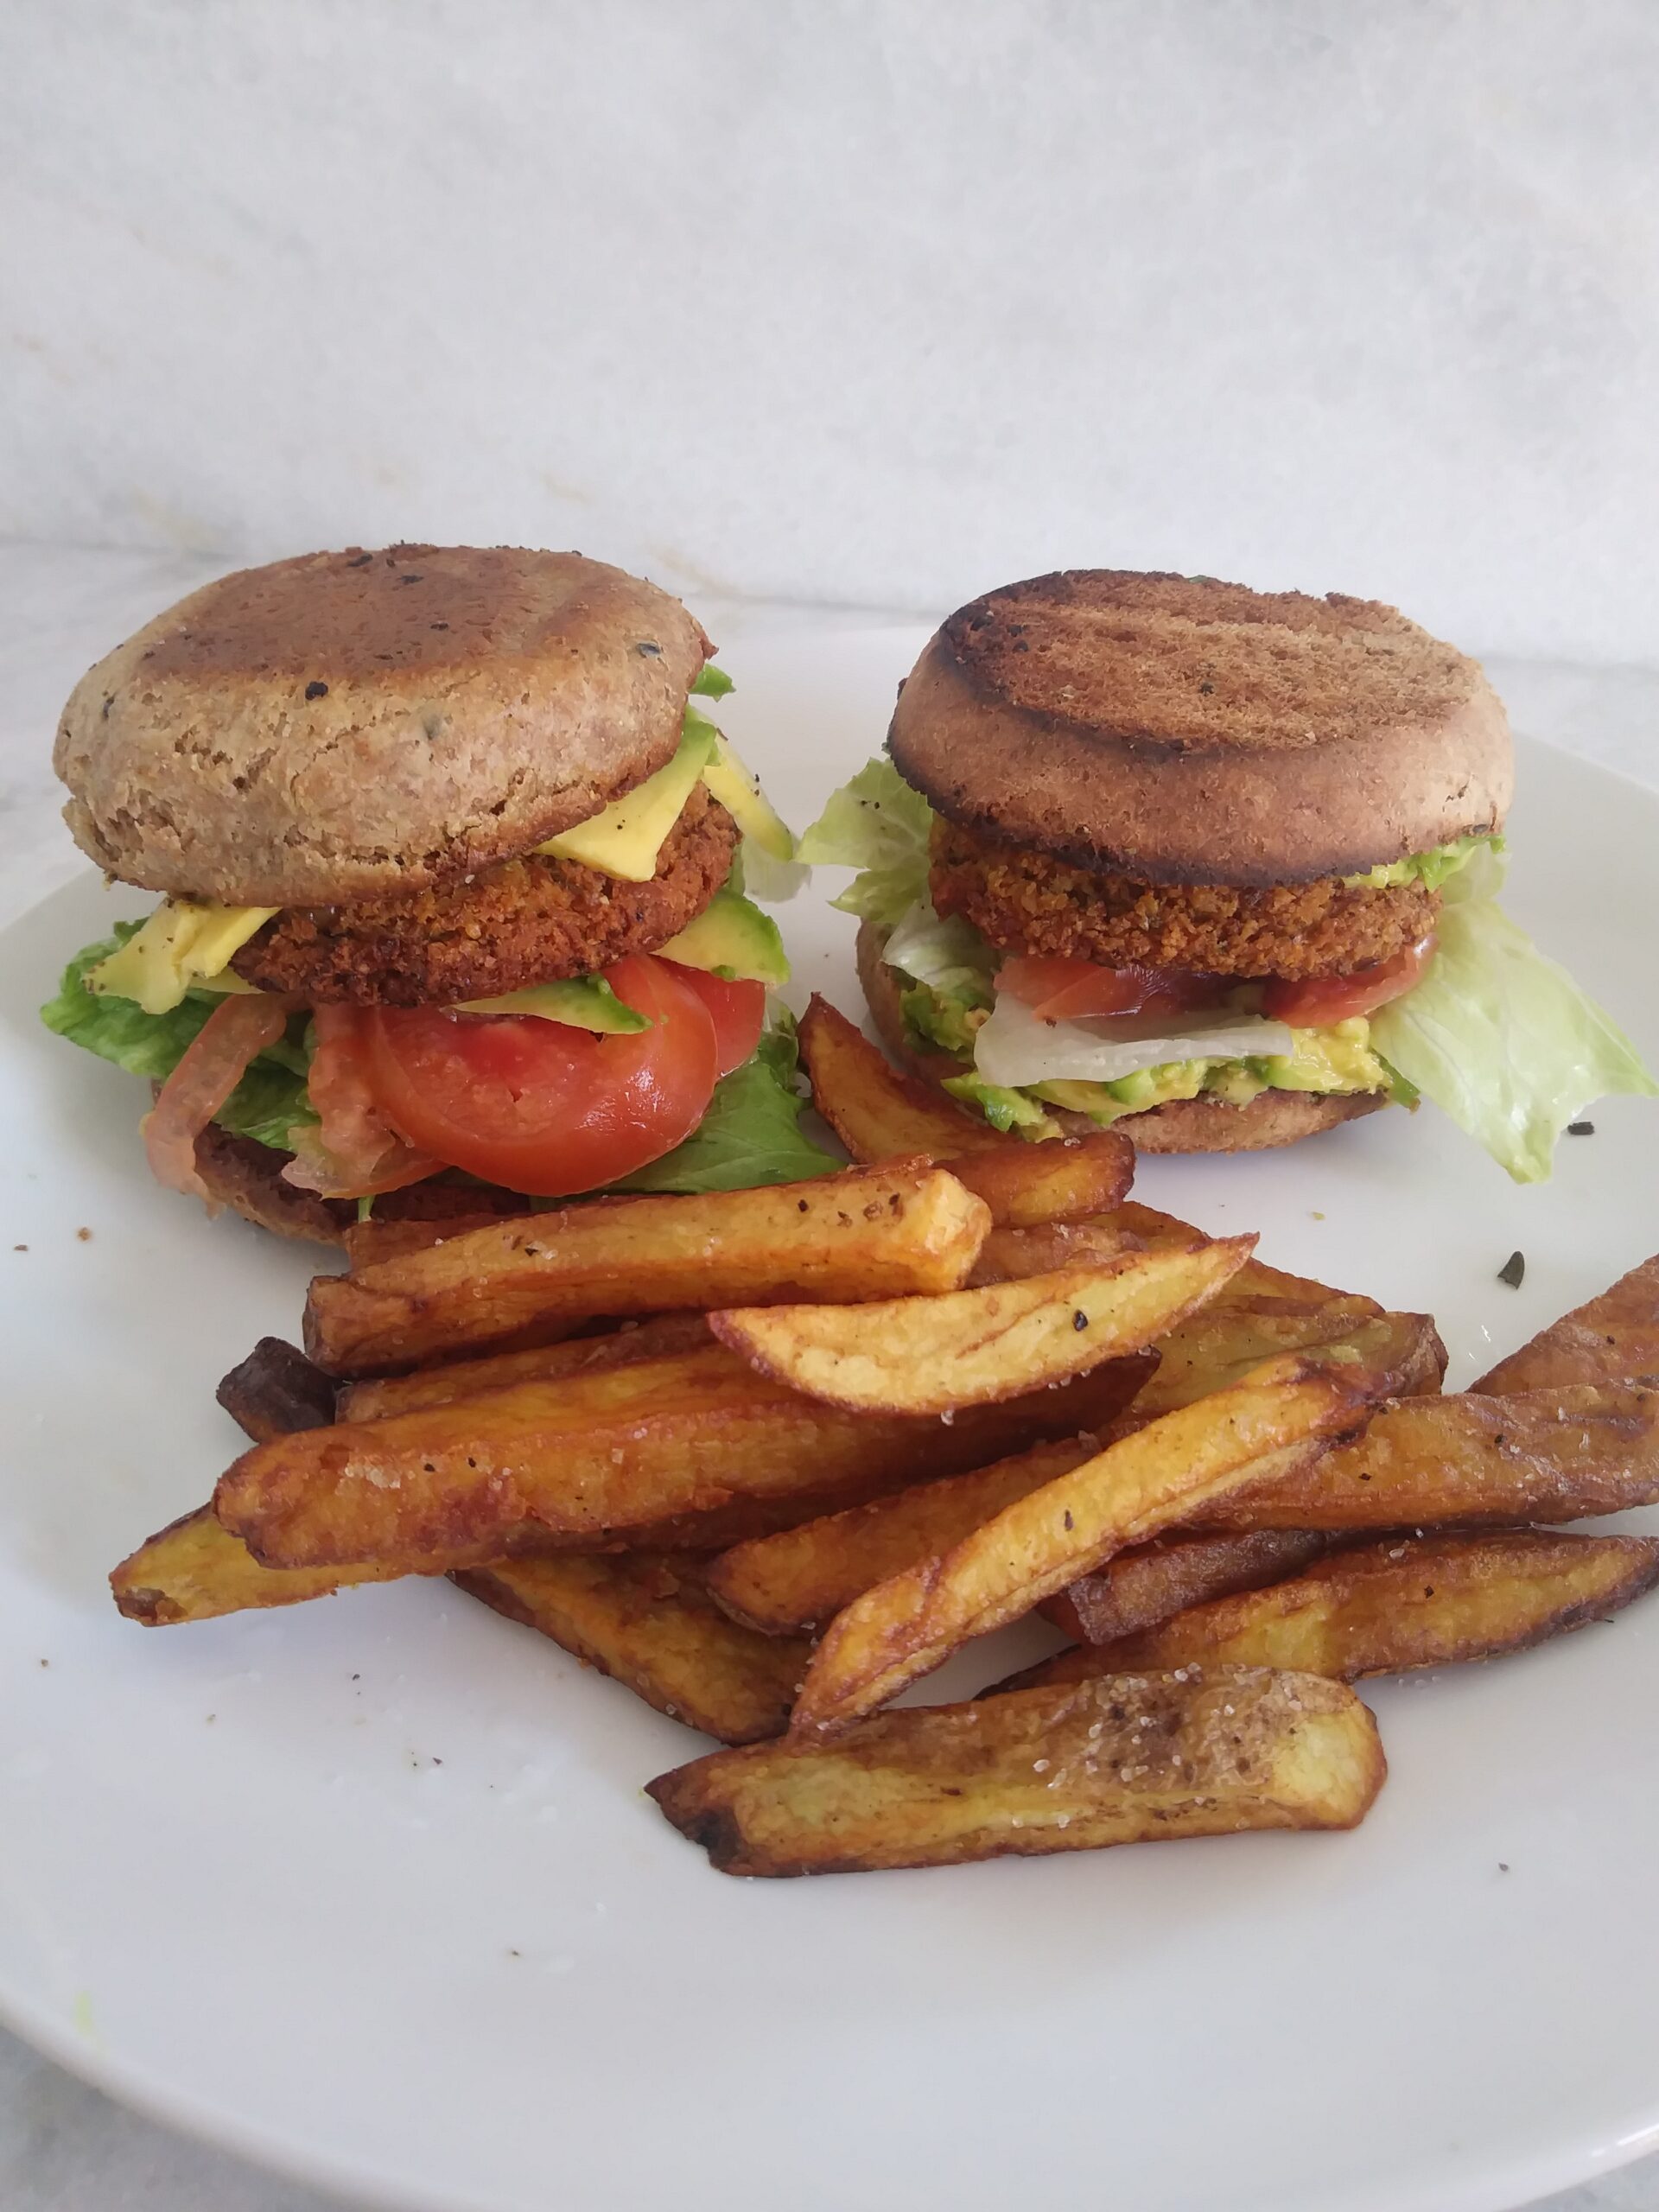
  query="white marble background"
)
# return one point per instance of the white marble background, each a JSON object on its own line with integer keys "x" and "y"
{"x": 849, "y": 303}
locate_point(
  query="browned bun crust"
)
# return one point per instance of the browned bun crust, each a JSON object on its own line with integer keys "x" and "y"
{"x": 247, "y": 1177}
{"x": 1276, "y": 1117}
{"x": 346, "y": 725}
{"x": 523, "y": 921}
{"x": 1181, "y": 730}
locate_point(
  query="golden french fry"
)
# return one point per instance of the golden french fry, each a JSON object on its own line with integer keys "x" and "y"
{"x": 1139, "y": 1588}
{"x": 1011, "y": 1254}
{"x": 1471, "y": 1460}
{"x": 195, "y": 1570}
{"x": 879, "y": 1232}
{"x": 1207, "y": 1751}
{"x": 1614, "y": 1339}
{"x": 1389, "y": 1607}
{"x": 972, "y": 1347}
{"x": 275, "y": 1390}
{"x": 1175, "y": 1469}
{"x": 647, "y": 1621}
{"x": 369, "y": 1242}
{"x": 465, "y": 1378}
{"x": 1239, "y": 1329}
{"x": 685, "y": 1450}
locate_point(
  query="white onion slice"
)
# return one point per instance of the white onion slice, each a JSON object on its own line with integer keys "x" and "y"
{"x": 1016, "y": 1048}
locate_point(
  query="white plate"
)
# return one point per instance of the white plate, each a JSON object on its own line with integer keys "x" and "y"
{"x": 368, "y": 1889}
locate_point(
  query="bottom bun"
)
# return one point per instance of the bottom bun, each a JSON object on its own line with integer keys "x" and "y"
{"x": 1275, "y": 1117}
{"x": 248, "y": 1177}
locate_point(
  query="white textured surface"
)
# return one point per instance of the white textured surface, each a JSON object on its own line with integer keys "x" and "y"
{"x": 63, "y": 2148}
{"x": 829, "y": 300}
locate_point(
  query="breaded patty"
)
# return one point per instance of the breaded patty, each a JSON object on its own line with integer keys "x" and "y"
{"x": 1025, "y": 902}
{"x": 524, "y": 921}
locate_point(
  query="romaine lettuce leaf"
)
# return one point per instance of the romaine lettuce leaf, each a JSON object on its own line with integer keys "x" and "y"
{"x": 1432, "y": 868}
{"x": 879, "y": 826}
{"x": 750, "y": 1133}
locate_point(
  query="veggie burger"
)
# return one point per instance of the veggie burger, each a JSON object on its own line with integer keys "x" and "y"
{"x": 1215, "y": 864}
{"x": 453, "y": 908}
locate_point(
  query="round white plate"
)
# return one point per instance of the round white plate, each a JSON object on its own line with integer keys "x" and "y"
{"x": 368, "y": 1890}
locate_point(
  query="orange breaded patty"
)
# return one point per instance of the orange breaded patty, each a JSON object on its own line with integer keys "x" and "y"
{"x": 521, "y": 922}
{"x": 1028, "y": 902}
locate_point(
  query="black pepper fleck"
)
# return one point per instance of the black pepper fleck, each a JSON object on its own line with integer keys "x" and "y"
{"x": 1513, "y": 1269}
{"x": 360, "y": 561}
{"x": 645, "y": 646}
{"x": 1580, "y": 1129}
{"x": 316, "y": 690}
{"x": 1079, "y": 1320}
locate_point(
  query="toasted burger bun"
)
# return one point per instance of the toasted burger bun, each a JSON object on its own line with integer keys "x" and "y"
{"x": 248, "y": 1177}
{"x": 1275, "y": 1117}
{"x": 1185, "y": 731}
{"x": 346, "y": 725}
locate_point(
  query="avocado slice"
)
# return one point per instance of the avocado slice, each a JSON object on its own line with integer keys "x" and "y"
{"x": 733, "y": 939}
{"x": 579, "y": 1001}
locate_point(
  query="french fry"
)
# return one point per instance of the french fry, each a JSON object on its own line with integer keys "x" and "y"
{"x": 1208, "y": 1751}
{"x": 1138, "y": 1589}
{"x": 873, "y": 1233}
{"x": 195, "y": 1570}
{"x": 1224, "y": 1340}
{"x": 689, "y": 1449}
{"x": 646, "y": 1621}
{"x": 1469, "y": 1460}
{"x": 1615, "y": 1338}
{"x": 1262, "y": 1429}
{"x": 1162, "y": 1231}
{"x": 880, "y": 1114}
{"x": 275, "y": 1390}
{"x": 1389, "y": 1607}
{"x": 1011, "y": 1254}
{"x": 973, "y": 1347}
{"x": 369, "y": 1242}
{"x": 466, "y": 1378}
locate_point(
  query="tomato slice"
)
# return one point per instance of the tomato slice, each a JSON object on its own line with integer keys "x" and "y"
{"x": 1057, "y": 986}
{"x": 1320, "y": 1001}
{"x": 354, "y": 1152}
{"x": 738, "y": 1011}
{"x": 537, "y": 1105}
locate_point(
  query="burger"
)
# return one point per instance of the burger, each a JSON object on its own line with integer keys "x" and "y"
{"x": 1214, "y": 866}
{"x": 453, "y": 914}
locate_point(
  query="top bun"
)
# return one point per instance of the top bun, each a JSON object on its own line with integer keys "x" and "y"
{"x": 345, "y": 725}
{"x": 1185, "y": 731}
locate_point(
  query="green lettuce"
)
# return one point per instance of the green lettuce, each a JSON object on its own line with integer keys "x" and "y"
{"x": 269, "y": 1101}
{"x": 711, "y": 683}
{"x": 877, "y": 825}
{"x": 1430, "y": 869}
{"x": 750, "y": 1134}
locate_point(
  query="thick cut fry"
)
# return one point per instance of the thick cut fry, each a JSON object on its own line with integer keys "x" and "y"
{"x": 1224, "y": 1340}
{"x": 1260, "y": 1430}
{"x": 466, "y": 1378}
{"x": 648, "y": 1622}
{"x": 1615, "y": 1338}
{"x": 1208, "y": 1751}
{"x": 1011, "y": 1254}
{"x": 275, "y": 1390}
{"x": 873, "y": 1233}
{"x": 1474, "y": 1461}
{"x": 367, "y": 1243}
{"x": 624, "y": 1458}
{"x": 973, "y": 1347}
{"x": 195, "y": 1570}
{"x": 1138, "y": 1589}
{"x": 878, "y": 1115}
{"x": 1387, "y": 1608}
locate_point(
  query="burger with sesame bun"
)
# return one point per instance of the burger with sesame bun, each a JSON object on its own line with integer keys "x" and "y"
{"x": 1213, "y": 865}
{"x": 453, "y": 910}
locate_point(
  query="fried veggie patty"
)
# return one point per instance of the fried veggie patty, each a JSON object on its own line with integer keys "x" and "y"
{"x": 525, "y": 921}
{"x": 1027, "y": 902}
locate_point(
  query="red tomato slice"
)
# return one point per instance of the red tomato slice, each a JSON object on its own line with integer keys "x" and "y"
{"x": 1057, "y": 986}
{"x": 1322, "y": 1000}
{"x": 537, "y": 1105}
{"x": 738, "y": 1011}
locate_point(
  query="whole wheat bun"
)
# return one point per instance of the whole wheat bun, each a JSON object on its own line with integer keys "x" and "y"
{"x": 1185, "y": 731}
{"x": 1275, "y": 1117}
{"x": 247, "y": 1176}
{"x": 344, "y": 725}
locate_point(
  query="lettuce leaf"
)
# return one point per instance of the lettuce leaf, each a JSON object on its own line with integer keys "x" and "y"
{"x": 1430, "y": 869}
{"x": 877, "y": 825}
{"x": 269, "y": 1101}
{"x": 750, "y": 1133}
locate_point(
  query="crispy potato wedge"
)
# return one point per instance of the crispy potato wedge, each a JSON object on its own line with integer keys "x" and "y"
{"x": 275, "y": 1390}
{"x": 465, "y": 1378}
{"x": 873, "y": 1233}
{"x": 1264, "y": 1428}
{"x": 1139, "y": 1588}
{"x": 367, "y": 1243}
{"x": 1067, "y": 1178}
{"x": 1386, "y": 1608}
{"x": 1614, "y": 1339}
{"x": 195, "y": 1570}
{"x": 653, "y": 1454}
{"x": 1470, "y": 1460}
{"x": 974, "y": 1347}
{"x": 1239, "y": 1329}
{"x": 647, "y": 1621}
{"x": 1208, "y": 1751}
{"x": 1011, "y": 1254}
